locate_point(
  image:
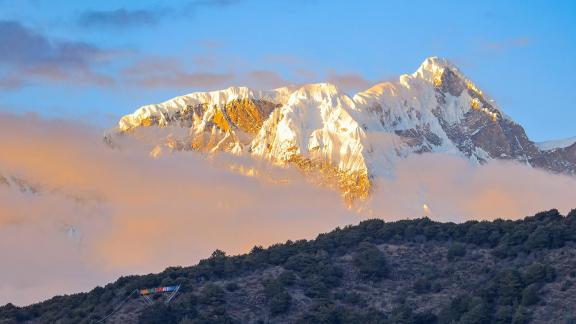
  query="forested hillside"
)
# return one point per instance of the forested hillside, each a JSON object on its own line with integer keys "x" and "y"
{"x": 411, "y": 271}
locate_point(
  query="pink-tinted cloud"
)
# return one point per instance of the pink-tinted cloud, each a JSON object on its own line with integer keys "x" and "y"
{"x": 101, "y": 212}
{"x": 266, "y": 79}
{"x": 158, "y": 72}
{"x": 455, "y": 190}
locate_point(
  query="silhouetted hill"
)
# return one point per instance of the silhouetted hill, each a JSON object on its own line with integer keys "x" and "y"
{"x": 411, "y": 271}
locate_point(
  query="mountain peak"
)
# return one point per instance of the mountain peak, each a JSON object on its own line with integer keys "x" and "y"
{"x": 318, "y": 127}
{"x": 436, "y": 61}
{"x": 432, "y": 68}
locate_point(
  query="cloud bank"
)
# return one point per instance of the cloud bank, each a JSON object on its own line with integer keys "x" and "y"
{"x": 77, "y": 213}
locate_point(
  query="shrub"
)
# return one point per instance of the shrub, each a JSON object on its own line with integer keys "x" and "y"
{"x": 211, "y": 295}
{"x": 370, "y": 262}
{"x": 287, "y": 278}
{"x": 278, "y": 299}
{"x": 422, "y": 286}
{"x": 232, "y": 286}
{"x": 280, "y": 303}
{"x": 504, "y": 314}
{"x": 456, "y": 250}
{"x": 530, "y": 295}
{"x": 539, "y": 273}
{"x": 157, "y": 313}
{"x": 522, "y": 316}
{"x": 566, "y": 285}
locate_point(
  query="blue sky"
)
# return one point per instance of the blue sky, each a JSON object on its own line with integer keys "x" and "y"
{"x": 98, "y": 60}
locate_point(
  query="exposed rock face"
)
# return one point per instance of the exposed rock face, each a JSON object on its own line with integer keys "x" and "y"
{"x": 352, "y": 139}
{"x": 560, "y": 160}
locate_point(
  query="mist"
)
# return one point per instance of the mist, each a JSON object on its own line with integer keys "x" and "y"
{"x": 77, "y": 213}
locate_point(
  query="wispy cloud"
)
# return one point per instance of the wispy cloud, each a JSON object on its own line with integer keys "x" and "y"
{"x": 505, "y": 45}
{"x": 264, "y": 79}
{"x": 20, "y": 45}
{"x": 27, "y": 55}
{"x": 120, "y": 18}
{"x": 155, "y": 72}
{"x": 166, "y": 72}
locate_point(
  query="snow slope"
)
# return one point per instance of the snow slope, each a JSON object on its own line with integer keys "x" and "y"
{"x": 556, "y": 144}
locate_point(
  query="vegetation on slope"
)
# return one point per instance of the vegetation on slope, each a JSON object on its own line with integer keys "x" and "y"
{"x": 410, "y": 271}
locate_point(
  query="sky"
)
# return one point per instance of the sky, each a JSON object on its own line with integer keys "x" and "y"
{"x": 96, "y": 61}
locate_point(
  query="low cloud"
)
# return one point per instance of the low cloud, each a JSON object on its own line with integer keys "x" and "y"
{"x": 455, "y": 190}
{"x": 100, "y": 212}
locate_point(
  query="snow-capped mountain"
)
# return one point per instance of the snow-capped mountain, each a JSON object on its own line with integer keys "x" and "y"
{"x": 353, "y": 139}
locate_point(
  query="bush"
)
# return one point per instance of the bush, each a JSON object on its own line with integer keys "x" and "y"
{"x": 478, "y": 314}
{"x": 211, "y": 295}
{"x": 530, "y": 295}
{"x": 278, "y": 299}
{"x": 509, "y": 286}
{"x": 522, "y": 316}
{"x": 370, "y": 262}
{"x": 351, "y": 298}
{"x": 287, "y": 278}
{"x": 403, "y": 314}
{"x": 280, "y": 303}
{"x": 157, "y": 313}
{"x": 504, "y": 314}
{"x": 232, "y": 286}
{"x": 328, "y": 313}
{"x": 422, "y": 286}
{"x": 539, "y": 273}
{"x": 566, "y": 285}
{"x": 456, "y": 250}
